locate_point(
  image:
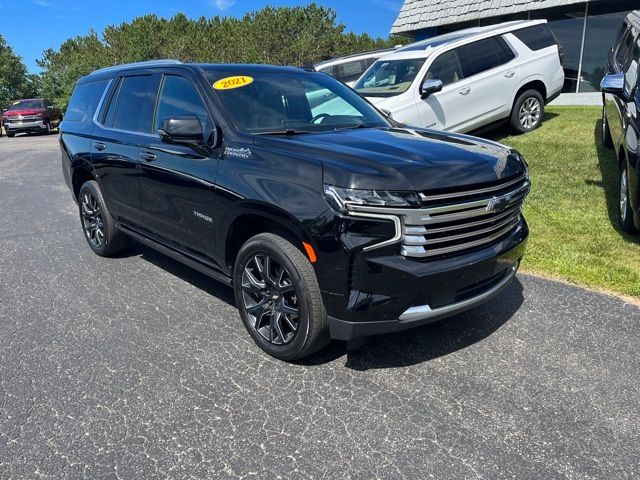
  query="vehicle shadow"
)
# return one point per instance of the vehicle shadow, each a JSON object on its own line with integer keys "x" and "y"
{"x": 609, "y": 171}
{"x": 184, "y": 272}
{"x": 429, "y": 342}
{"x": 400, "y": 349}
{"x": 499, "y": 132}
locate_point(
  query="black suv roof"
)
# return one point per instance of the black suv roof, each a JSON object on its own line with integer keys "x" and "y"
{"x": 239, "y": 68}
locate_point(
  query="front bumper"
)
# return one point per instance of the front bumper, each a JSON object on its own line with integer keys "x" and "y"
{"x": 418, "y": 315}
{"x": 391, "y": 293}
{"x": 28, "y": 126}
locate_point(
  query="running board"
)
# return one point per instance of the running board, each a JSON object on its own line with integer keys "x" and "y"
{"x": 182, "y": 258}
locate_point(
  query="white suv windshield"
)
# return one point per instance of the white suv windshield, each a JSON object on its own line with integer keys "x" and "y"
{"x": 387, "y": 78}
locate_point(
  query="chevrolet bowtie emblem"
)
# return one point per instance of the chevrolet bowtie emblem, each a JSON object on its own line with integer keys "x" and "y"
{"x": 498, "y": 204}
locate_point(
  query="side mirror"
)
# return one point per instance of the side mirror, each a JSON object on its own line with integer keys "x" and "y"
{"x": 387, "y": 113}
{"x": 613, "y": 83}
{"x": 430, "y": 86}
{"x": 5, "y": 110}
{"x": 49, "y": 107}
{"x": 185, "y": 129}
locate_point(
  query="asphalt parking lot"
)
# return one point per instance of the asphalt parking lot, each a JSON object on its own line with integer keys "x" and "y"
{"x": 138, "y": 367}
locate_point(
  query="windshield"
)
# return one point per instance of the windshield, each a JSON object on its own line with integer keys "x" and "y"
{"x": 25, "y": 104}
{"x": 292, "y": 102}
{"x": 387, "y": 78}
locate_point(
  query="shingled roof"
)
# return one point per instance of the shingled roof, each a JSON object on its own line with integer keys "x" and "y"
{"x": 419, "y": 14}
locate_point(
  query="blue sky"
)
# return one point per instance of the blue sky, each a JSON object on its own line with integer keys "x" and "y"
{"x": 31, "y": 26}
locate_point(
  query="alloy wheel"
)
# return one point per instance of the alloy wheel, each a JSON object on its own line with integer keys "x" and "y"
{"x": 530, "y": 112}
{"x": 270, "y": 299}
{"x": 624, "y": 195}
{"x": 92, "y": 220}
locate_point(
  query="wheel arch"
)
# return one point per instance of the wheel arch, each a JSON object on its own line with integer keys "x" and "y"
{"x": 531, "y": 84}
{"x": 252, "y": 219}
{"x": 81, "y": 173}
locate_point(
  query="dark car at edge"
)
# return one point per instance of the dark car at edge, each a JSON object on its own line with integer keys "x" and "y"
{"x": 621, "y": 121}
{"x": 327, "y": 218}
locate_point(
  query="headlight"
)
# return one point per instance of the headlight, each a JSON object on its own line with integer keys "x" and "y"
{"x": 340, "y": 197}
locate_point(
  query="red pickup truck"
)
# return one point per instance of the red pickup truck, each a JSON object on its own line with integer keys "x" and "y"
{"x": 30, "y": 115}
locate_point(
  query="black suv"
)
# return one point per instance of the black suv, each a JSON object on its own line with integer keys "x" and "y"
{"x": 620, "y": 120}
{"x": 329, "y": 220}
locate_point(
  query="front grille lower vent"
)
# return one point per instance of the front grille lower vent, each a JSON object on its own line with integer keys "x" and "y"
{"x": 454, "y": 222}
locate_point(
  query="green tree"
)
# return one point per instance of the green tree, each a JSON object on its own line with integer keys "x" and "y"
{"x": 277, "y": 35}
{"x": 76, "y": 57}
{"x": 14, "y": 80}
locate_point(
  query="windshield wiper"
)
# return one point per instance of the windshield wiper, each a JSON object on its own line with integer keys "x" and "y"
{"x": 359, "y": 125}
{"x": 288, "y": 131}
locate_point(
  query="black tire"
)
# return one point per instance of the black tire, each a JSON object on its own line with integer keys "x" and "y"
{"x": 607, "y": 141}
{"x": 529, "y": 123}
{"x": 110, "y": 241}
{"x": 312, "y": 331}
{"x": 625, "y": 213}
{"x": 11, "y": 135}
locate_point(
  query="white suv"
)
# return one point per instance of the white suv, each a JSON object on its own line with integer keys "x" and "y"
{"x": 471, "y": 78}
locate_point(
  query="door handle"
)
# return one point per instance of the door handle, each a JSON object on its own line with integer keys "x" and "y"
{"x": 510, "y": 74}
{"x": 99, "y": 146}
{"x": 464, "y": 91}
{"x": 149, "y": 157}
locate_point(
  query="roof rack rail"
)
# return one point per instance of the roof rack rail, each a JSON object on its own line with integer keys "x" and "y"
{"x": 148, "y": 63}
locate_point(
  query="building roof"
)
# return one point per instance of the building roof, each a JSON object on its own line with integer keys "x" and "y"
{"x": 419, "y": 14}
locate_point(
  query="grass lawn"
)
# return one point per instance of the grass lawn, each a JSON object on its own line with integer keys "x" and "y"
{"x": 573, "y": 204}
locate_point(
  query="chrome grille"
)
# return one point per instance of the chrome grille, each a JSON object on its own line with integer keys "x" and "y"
{"x": 26, "y": 118}
{"x": 453, "y": 222}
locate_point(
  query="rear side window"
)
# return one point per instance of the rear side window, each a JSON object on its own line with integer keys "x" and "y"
{"x": 132, "y": 108}
{"x": 179, "y": 97}
{"x": 478, "y": 56}
{"x": 351, "y": 71}
{"x": 328, "y": 70}
{"x": 84, "y": 101}
{"x": 536, "y": 37}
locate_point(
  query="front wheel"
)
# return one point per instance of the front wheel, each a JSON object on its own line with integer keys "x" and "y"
{"x": 279, "y": 300}
{"x": 625, "y": 213}
{"x": 527, "y": 112}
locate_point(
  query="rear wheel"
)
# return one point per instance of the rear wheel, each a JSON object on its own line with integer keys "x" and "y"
{"x": 11, "y": 135}
{"x": 625, "y": 213}
{"x": 279, "y": 299}
{"x": 97, "y": 223}
{"x": 607, "y": 141}
{"x": 527, "y": 112}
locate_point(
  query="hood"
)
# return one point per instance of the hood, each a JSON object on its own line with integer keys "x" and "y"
{"x": 402, "y": 158}
{"x": 26, "y": 111}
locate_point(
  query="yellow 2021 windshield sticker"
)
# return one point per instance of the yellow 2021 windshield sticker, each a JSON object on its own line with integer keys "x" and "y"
{"x": 232, "y": 82}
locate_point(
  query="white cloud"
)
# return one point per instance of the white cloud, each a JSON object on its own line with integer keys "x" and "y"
{"x": 223, "y": 4}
